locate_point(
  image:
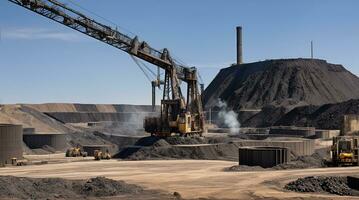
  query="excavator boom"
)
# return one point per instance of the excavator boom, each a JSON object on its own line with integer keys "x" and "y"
{"x": 69, "y": 17}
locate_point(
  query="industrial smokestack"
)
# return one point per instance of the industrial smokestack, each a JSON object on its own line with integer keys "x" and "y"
{"x": 311, "y": 49}
{"x": 239, "y": 45}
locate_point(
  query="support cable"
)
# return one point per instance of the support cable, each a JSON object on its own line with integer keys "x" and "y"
{"x": 99, "y": 16}
{"x": 139, "y": 66}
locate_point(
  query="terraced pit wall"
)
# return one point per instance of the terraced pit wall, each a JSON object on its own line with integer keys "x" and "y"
{"x": 84, "y": 117}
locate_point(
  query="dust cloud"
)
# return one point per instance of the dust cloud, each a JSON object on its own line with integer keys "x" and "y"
{"x": 228, "y": 117}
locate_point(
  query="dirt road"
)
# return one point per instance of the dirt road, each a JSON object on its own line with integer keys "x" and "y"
{"x": 191, "y": 178}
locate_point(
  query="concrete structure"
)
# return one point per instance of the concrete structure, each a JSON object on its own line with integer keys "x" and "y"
{"x": 292, "y": 131}
{"x": 115, "y": 124}
{"x": 85, "y": 117}
{"x": 300, "y": 147}
{"x": 326, "y": 134}
{"x": 90, "y": 149}
{"x": 239, "y": 45}
{"x": 250, "y": 130}
{"x": 28, "y": 130}
{"x": 263, "y": 156}
{"x": 10, "y": 143}
{"x": 353, "y": 182}
{"x": 350, "y": 124}
{"x": 36, "y": 141}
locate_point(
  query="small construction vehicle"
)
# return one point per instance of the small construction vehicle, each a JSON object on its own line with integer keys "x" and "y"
{"x": 345, "y": 151}
{"x": 99, "y": 155}
{"x": 75, "y": 152}
{"x": 16, "y": 162}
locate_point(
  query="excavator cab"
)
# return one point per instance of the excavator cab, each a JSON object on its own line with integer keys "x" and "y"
{"x": 346, "y": 156}
{"x": 345, "y": 151}
{"x": 184, "y": 123}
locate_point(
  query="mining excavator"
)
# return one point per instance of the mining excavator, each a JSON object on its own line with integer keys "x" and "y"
{"x": 178, "y": 115}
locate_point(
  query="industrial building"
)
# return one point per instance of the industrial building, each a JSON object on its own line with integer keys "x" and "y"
{"x": 263, "y": 156}
{"x": 56, "y": 141}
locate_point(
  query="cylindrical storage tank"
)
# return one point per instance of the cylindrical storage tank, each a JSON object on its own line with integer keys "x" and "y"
{"x": 263, "y": 156}
{"x": 10, "y": 142}
{"x": 57, "y": 141}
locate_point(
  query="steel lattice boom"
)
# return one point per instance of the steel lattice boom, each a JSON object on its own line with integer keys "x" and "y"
{"x": 62, "y": 14}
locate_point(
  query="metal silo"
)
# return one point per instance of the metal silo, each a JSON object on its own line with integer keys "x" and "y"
{"x": 10, "y": 142}
{"x": 55, "y": 140}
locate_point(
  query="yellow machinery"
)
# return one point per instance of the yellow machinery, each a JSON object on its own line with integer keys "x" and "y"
{"x": 184, "y": 123}
{"x": 75, "y": 152}
{"x": 16, "y": 162}
{"x": 345, "y": 151}
{"x": 99, "y": 155}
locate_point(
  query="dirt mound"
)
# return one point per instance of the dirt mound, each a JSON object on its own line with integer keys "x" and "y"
{"x": 322, "y": 184}
{"x": 106, "y": 108}
{"x": 27, "y": 188}
{"x": 101, "y": 186}
{"x": 265, "y": 118}
{"x": 245, "y": 168}
{"x": 30, "y": 117}
{"x": 327, "y": 116}
{"x": 153, "y": 148}
{"x": 84, "y": 117}
{"x": 57, "y": 188}
{"x": 147, "y": 141}
{"x": 201, "y": 152}
{"x": 283, "y": 82}
{"x": 161, "y": 143}
{"x": 186, "y": 140}
{"x": 303, "y": 162}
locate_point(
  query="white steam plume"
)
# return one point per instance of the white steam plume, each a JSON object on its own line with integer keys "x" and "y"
{"x": 228, "y": 117}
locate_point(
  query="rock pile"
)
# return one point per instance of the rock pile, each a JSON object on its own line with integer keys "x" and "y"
{"x": 57, "y": 188}
{"x": 282, "y": 82}
{"x": 322, "y": 184}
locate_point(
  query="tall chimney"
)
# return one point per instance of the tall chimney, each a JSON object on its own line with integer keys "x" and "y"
{"x": 311, "y": 49}
{"x": 239, "y": 45}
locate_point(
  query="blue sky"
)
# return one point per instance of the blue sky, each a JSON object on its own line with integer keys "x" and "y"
{"x": 42, "y": 61}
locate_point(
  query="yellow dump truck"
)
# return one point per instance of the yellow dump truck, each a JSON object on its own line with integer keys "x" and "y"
{"x": 99, "y": 155}
{"x": 344, "y": 151}
{"x": 75, "y": 152}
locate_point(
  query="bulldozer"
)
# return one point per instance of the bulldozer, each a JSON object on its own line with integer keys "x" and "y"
{"x": 344, "y": 151}
{"x": 99, "y": 155}
{"x": 75, "y": 152}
